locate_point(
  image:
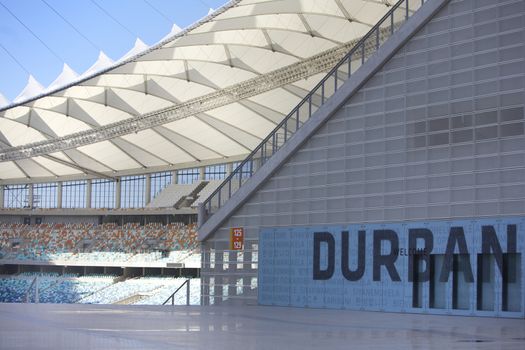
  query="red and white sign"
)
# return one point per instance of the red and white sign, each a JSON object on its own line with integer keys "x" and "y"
{"x": 236, "y": 238}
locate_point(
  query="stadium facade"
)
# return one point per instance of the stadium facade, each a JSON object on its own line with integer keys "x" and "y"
{"x": 406, "y": 192}
{"x": 397, "y": 183}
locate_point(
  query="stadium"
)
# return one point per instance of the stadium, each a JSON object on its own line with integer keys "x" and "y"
{"x": 293, "y": 173}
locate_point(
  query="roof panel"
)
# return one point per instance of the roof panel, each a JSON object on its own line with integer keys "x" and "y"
{"x": 56, "y": 167}
{"x": 249, "y": 37}
{"x": 260, "y": 60}
{"x": 61, "y": 124}
{"x": 159, "y": 146}
{"x": 243, "y": 118}
{"x": 279, "y": 99}
{"x": 301, "y": 44}
{"x": 110, "y": 155}
{"x": 18, "y": 134}
{"x": 217, "y": 75}
{"x": 202, "y": 133}
{"x": 34, "y": 169}
{"x": 98, "y": 112}
{"x": 276, "y": 21}
{"x": 8, "y": 170}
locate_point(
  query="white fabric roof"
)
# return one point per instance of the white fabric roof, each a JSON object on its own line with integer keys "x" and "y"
{"x": 32, "y": 88}
{"x": 67, "y": 76}
{"x": 239, "y": 43}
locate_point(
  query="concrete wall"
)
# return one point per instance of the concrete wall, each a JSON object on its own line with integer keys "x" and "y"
{"x": 437, "y": 133}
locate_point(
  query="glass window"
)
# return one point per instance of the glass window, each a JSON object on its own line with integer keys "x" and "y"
{"x": 246, "y": 170}
{"x": 187, "y": 176}
{"x": 159, "y": 181}
{"x": 45, "y": 195}
{"x": 103, "y": 193}
{"x": 74, "y": 194}
{"x": 215, "y": 172}
{"x": 16, "y": 196}
{"x": 132, "y": 191}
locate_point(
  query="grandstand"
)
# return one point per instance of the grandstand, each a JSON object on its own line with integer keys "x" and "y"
{"x": 359, "y": 155}
{"x": 98, "y": 264}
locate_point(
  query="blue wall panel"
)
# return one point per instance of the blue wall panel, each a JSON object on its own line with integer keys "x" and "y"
{"x": 286, "y": 269}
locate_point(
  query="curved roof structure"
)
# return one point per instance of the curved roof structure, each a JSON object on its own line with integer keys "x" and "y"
{"x": 207, "y": 94}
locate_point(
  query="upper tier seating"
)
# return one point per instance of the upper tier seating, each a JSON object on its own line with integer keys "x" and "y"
{"x": 87, "y": 242}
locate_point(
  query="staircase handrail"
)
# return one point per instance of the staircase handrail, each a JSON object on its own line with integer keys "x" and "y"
{"x": 172, "y": 296}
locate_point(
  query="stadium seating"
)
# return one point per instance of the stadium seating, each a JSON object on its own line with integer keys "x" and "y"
{"x": 163, "y": 293}
{"x": 87, "y": 242}
{"x": 70, "y": 289}
{"x": 96, "y": 289}
{"x": 136, "y": 290}
{"x": 13, "y": 290}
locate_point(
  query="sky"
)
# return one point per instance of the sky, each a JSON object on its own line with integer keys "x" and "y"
{"x": 36, "y": 39}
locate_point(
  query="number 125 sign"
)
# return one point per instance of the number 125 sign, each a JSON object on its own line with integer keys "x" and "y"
{"x": 236, "y": 238}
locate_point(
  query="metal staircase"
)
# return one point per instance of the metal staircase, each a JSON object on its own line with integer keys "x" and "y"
{"x": 306, "y": 109}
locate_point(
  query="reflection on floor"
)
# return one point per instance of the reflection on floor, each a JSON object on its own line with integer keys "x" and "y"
{"x": 49, "y": 326}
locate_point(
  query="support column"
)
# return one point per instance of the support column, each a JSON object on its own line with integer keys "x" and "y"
{"x": 2, "y": 196}
{"x": 256, "y": 164}
{"x": 89, "y": 185}
{"x": 118, "y": 191}
{"x": 59, "y": 195}
{"x": 147, "y": 190}
{"x": 201, "y": 173}
{"x": 175, "y": 177}
{"x": 229, "y": 169}
{"x": 30, "y": 196}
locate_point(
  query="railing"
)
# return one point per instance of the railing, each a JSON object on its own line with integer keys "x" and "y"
{"x": 355, "y": 58}
{"x": 28, "y": 295}
{"x": 229, "y": 275}
{"x": 172, "y": 297}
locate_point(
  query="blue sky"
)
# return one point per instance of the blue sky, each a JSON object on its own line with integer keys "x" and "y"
{"x": 115, "y": 34}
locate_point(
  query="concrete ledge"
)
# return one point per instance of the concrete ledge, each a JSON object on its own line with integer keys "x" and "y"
{"x": 349, "y": 88}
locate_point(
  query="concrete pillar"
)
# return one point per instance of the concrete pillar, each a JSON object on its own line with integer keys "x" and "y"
{"x": 30, "y": 196}
{"x": 2, "y": 196}
{"x": 201, "y": 214}
{"x": 59, "y": 194}
{"x": 256, "y": 164}
{"x": 89, "y": 185}
{"x": 147, "y": 190}
{"x": 118, "y": 192}
{"x": 229, "y": 169}
{"x": 175, "y": 177}
{"x": 201, "y": 173}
